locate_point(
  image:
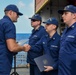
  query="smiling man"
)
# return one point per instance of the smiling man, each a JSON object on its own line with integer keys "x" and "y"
{"x": 8, "y": 45}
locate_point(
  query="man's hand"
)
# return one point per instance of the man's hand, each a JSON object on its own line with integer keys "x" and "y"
{"x": 27, "y": 47}
{"x": 48, "y": 68}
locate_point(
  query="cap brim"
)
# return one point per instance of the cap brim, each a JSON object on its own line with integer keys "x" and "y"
{"x": 34, "y": 19}
{"x": 30, "y": 18}
{"x": 19, "y": 13}
{"x": 62, "y": 11}
{"x": 46, "y": 23}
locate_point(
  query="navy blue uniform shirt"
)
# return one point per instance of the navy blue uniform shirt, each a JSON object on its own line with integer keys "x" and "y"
{"x": 67, "y": 54}
{"x": 7, "y": 31}
{"x": 34, "y": 38}
{"x": 49, "y": 46}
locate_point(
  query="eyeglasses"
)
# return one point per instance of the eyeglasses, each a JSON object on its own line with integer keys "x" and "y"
{"x": 33, "y": 20}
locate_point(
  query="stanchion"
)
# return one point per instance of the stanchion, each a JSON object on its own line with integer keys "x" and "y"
{"x": 14, "y": 73}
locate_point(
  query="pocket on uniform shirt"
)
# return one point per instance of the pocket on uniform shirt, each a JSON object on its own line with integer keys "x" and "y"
{"x": 54, "y": 47}
{"x": 34, "y": 39}
{"x": 70, "y": 40}
{"x": 54, "y": 51}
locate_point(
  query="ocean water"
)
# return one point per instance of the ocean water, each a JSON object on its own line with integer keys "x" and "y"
{"x": 21, "y": 57}
{"x": 21, "y": 36}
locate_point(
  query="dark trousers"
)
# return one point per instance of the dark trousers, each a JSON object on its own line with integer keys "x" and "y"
{"x": 53, "y": 72}
{"x": 34, "y": 70}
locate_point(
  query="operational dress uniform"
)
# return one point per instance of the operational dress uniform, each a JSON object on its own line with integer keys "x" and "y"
{"x": 34, "y": 38}
{"x": 7, "y": 31}
{"x": 49, "y": 46}
{"x": 67, "y": 53}
{"x": 67, "y": 57}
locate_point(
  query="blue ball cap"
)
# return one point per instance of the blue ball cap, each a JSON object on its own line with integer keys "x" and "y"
{"x": 51, "y": 21}
{"x": 70, "y": 8}
{"x": 36, "y": 17}
{"x": 13, "y": 8}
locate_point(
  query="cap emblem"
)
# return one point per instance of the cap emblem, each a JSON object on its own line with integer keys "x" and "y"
{"x": 50, "y": 19}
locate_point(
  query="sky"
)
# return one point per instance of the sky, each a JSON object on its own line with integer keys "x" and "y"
{"x": 26, "y": 7}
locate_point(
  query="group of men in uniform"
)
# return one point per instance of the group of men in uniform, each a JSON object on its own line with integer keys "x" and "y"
{"x": 43, "y": 40}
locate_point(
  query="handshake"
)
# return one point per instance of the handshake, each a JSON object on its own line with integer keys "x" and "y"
{"x": 26, "y": 47}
